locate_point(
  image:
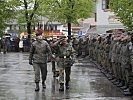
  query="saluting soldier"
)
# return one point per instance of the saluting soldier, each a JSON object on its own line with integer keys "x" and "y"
{"x": 64, "y": 61}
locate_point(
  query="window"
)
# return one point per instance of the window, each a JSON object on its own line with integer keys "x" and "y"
{"x": 105, "y": 4}
{"x": 95, "y": 17}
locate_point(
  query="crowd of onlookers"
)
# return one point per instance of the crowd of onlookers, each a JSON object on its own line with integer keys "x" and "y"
{"x": 8, "y": 44}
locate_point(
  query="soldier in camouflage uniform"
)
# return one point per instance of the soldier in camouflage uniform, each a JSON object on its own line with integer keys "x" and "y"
{"x": 131, "y": 65}
{"x": 118, "y": 62}
{"x": 125, "y": 64}
{"x": 75, "y": 44}
{"x": 106, "y": 50}
{"x": 38, "y": 58}
{"x": 53, "y": 60}
{"x": 80, "y": 46}
{"x": 113, "y": 58}
{"x": 64, "y": 61}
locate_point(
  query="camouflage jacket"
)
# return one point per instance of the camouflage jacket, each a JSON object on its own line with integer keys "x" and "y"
{"x": 65, "y": 55}
{"x": 39, "y": 51}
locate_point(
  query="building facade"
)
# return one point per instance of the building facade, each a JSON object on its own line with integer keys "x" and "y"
{"x": 105, "y": 19}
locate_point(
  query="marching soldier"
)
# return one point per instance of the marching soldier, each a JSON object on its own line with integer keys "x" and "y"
{"x": 64, "y": 61}
{"x": 53, "y": 60}
{"x": 38, "y": 58}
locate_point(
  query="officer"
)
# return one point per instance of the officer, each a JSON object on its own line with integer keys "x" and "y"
{"x": 38, "y": 58}
{"x": 64, "y": 61}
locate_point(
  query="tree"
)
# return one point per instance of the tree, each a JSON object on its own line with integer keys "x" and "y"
{"x": 26, "y": 11}
{"x": 68, "y": 11}
{"x": 124, "y": 10}
{"x": 5, "y": 14}
{"x": 64, "y": 11}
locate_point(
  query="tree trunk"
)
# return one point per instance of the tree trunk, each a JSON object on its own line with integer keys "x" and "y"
{"x": 69, "y": 30}
{"x": 29, "y": 30}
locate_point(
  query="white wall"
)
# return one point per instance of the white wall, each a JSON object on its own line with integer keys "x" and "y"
{"x": 103, "y": 24}
{"x": 102, "y": 17}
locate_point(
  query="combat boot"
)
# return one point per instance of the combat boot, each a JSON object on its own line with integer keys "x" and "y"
{"x": 127, "y": 92}
{"x": 123, "y": 87}
{"x": 116, "y": 82}
{"x": 37, "y": 86}
{"x": 61, "y": 87}
{"x": 121, "y": 84}
{"x": 43, "y": 84}
{"x": 67, "y": 85}
{"x": 54, "y": 74}
{"x": 57, "y": 73}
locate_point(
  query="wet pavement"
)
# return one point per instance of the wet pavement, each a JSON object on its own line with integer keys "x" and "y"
{"x": 87, "y": 82}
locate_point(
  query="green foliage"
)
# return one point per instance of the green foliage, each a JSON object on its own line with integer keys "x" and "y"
{"x": 64, "y": 11}
{"x": 123, "y": 9}
{"x": 6, "y": 14}
{"x": 25, "y": 9}
{"x": 67, "y": 10}
{"x": 59, "y": 10}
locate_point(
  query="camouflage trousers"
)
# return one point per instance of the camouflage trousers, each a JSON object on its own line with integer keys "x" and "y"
{"x": 54, "y": 66}
{"x": 126, "y": 73}
{"x": 40, "y": 67}
{"x": 64, "y": 71}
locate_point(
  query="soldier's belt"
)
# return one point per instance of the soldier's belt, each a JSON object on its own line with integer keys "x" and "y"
{"x": 64, "y": 56}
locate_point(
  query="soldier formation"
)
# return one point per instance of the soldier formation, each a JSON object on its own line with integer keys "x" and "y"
{"x": 114, "y": 54}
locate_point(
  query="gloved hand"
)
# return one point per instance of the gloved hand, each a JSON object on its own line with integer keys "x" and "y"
{"x": 30, "y": 62}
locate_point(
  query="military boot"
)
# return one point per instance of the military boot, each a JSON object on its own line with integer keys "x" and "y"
{"x": 61, "y": 87}
{"x": 37, "y": 87}
{"x": 121, "y": 83}
{"x": 54, "y": 74}
{"x": 67, "y": 85}
{"x": 127, "y": 92}
{"x": 57, "y": 73}
{"x": 43, "y": 84}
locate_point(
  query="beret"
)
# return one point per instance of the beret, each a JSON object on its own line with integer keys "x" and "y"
{"x": 38, "y": 33}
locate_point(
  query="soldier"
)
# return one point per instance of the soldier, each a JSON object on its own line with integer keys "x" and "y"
{"x": 131, "y": 65}
{"x": 64, "y": 61}
{"x": 54, "y": 52}
{"x": 38, "y": 57}
{"x": 80, "y": 46}
{"x": 126, "y": 69}
{"x": 75, "y": 44}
